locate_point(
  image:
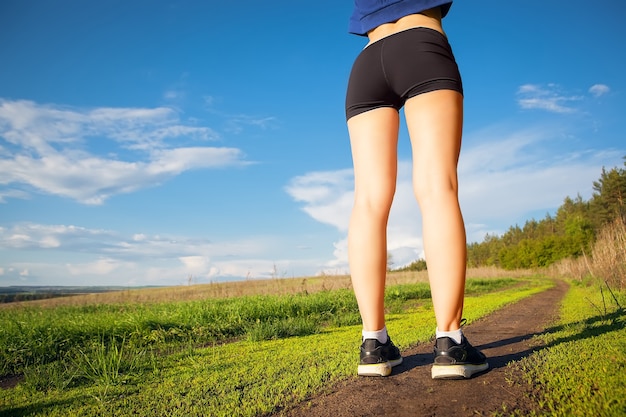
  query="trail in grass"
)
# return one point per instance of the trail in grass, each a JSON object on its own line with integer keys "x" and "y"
{"x": 505, "y": 335}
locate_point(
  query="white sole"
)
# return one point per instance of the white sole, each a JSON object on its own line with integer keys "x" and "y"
{"x": 457, "y": 371}
{"x": 378, "y": 369}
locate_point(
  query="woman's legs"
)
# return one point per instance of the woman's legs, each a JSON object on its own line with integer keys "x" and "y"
{"x": 435, "y": 122}
{"x": 374, "y": 139}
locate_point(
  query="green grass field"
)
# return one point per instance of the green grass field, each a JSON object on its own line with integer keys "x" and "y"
{"x": 582, "y": 371}
{"x": 240, "y": 356}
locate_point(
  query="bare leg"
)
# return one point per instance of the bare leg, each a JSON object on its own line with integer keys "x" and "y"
{"x": 374, "y": 141}
{"x": 435, "y": 122}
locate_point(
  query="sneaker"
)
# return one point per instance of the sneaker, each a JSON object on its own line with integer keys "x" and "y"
{"x": 457, "y": 360}
{"x": 377, "y": 358}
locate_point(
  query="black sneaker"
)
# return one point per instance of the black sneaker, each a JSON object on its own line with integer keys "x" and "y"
{"x": 457, "y": 361}
{"x": 377, "y": 358}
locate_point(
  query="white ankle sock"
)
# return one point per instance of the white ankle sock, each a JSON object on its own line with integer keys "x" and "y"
{"x": 454, "y": 335}
{"x": 381, "y": 335}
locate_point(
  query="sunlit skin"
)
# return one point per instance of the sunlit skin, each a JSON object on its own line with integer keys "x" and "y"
{"x": 428, "y": 19}
{"x": 434, "y": 122}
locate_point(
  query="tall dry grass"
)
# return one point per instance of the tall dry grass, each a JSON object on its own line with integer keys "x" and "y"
{"x": 609, "y": 254}
{"x": 495, "y": 272}
{"x": 607, "y": 261}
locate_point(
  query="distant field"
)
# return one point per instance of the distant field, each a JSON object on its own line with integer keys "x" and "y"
{"x": 279, "y": 286}
{"x": 16, "y": 293}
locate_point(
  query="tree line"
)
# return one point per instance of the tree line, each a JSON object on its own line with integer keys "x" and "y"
{"x": 569, "y": 233}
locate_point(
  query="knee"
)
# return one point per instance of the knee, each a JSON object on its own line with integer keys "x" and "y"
{"x": 374, "y": 205}
{"x": 435, "y": 188}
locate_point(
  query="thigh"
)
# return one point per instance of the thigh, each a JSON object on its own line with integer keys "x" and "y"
{"x": 374, "y": 143}
{"x": 435, "y": 121}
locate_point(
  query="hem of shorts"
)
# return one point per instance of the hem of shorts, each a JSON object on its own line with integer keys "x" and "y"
{"x": 435, "y": 85}
{"x": 350, "y": 115}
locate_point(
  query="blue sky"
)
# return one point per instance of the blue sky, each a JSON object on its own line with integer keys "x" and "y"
{"x": 146, "y": 142}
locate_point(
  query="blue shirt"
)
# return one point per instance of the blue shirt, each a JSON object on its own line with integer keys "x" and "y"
{"x": 369, "y": 14}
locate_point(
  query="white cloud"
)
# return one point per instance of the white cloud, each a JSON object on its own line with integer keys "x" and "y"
{"x": 37, "y": 236}
{"x": 48, "y": 148}
{"x": 50, "y": 242}
{"x": 192, "y": 253}
{"x": 196, "y": 264}
{"x": 505, "y": 175}
{"x": 338, "y": 265}
{"x": 598, "y": 90}
{"x": 139, "y": 237}
{"x": 174, "y": 94}
{"x": 327, "y": 196}
{"x": 87, "y": 255}
{"x": 549, "y": 97}
{"x": 177, "y": 92}
{"x": 4, "y": 194}
{"x": 237, "y": 123}
{"x": 98, "y": 267}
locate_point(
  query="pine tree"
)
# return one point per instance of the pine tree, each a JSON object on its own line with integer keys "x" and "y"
{"x": 609, "y": 198}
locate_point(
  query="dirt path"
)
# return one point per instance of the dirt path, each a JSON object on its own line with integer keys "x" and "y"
{"x": 504, "y": 336}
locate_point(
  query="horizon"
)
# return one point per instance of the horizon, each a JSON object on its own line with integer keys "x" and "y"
{"x": 142, "y": 143}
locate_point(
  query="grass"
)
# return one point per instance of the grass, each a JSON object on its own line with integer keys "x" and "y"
{"x": 241, "y": 356}
{"x": 35, "y": 336}
{"x": 581, "y": 372}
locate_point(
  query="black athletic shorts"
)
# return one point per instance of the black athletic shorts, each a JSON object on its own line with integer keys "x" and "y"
{"x": 400, "y": 66}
